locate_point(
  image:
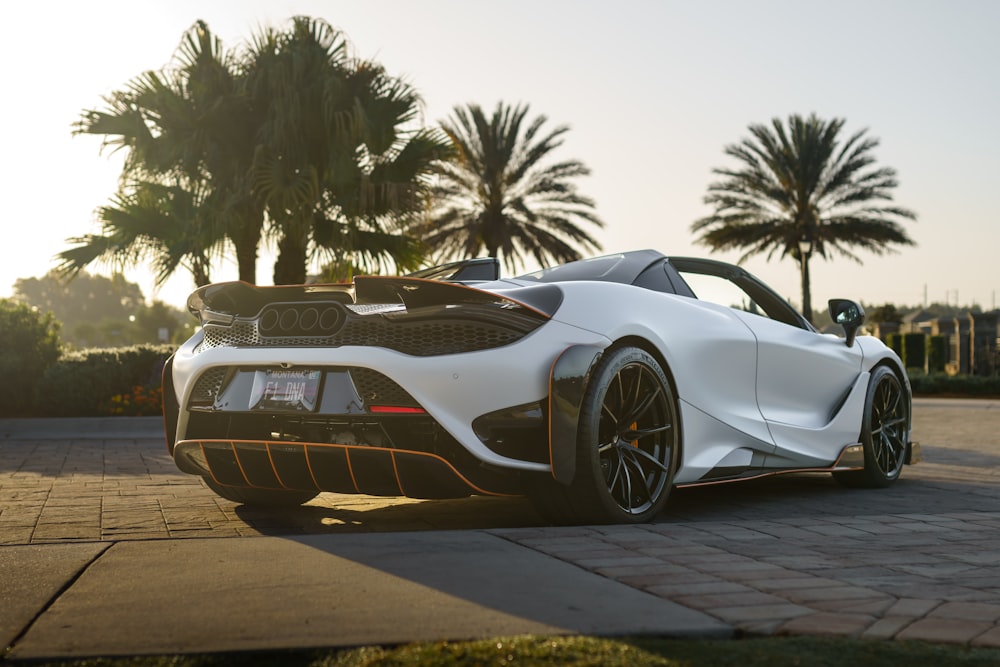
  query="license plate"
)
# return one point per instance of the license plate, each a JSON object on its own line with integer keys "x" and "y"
{"x": 279, "y": 390}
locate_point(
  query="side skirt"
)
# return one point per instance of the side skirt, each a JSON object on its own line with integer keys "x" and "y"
{"x": 852, "y": 457}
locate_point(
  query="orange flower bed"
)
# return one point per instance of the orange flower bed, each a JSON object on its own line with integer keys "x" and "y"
{"x": 140, "y": 401}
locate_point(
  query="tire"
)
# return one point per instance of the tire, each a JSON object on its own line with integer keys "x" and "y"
{"x": 883, "y": 433}
{"x": 628, "y": 445}
{"x": 261, "y": 498}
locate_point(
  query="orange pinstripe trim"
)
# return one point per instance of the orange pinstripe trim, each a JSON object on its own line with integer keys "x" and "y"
{"x": 395, "y": 471}
{"x": 168, "y": 438}
{"x": 773, "y": 473}
{"x": 348, "y": 448}
{"x": 280, "y": 287}
{"x": 552, "y": 466}
{"x": 274, "y": 468}
{"x": 350, "y": 470}
{"x": 312, "y": 475}
{"x": 456, "y": 285}
{"x": 353, "y": 284}
{"x": 201, "y": 446}
{"x": 239, "y": 464}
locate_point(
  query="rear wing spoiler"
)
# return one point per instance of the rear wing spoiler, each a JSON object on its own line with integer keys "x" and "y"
{"x": 469, "y": 270}
{"x": 229, "y": 300}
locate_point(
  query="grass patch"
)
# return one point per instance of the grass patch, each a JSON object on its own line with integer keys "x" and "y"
{"x": 587, "y": 651}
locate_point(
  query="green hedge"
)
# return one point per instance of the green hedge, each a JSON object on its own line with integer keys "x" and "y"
{"x": 914, "y": 350}
{"x": 895, "y": 342}
{"x": 966, "y": 386}
{"x": 911, "y": 348}
{"x": 101, "y": 382}
{"x": 127, "y": 381}
{"x": 937, "y": 352}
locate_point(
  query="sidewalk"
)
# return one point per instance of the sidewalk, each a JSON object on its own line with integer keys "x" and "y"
{"x": 108, "y": 550}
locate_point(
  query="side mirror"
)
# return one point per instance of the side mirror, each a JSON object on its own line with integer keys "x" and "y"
{"x": 848, "y": 314}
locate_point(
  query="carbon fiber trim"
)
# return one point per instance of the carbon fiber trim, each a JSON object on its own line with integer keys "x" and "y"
{"x": 331, "y": 467}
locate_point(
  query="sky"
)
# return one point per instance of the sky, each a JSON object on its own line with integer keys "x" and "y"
{"x": 652, "y": 91}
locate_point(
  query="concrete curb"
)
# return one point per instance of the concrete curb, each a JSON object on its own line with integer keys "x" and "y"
{"x": 82, "y": 428}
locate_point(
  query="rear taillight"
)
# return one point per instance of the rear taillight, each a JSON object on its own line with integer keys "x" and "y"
{"x": 396, "y": 410}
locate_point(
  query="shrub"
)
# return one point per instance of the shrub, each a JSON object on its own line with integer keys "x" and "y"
{"x": 942, "y": 384}
{"x": 895, "y": 341}
{"x": 29, "y": 345}
{"x": 100, "y": 382}
{"x": 937, "y": 352}
{"x": 913, "y": 350}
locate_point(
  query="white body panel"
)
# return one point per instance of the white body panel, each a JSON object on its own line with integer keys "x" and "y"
{"x": 449, "y": 387}
{"x": 710, "y": 353}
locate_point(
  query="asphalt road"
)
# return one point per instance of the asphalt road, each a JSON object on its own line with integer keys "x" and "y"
{"x": 106, "y": 549}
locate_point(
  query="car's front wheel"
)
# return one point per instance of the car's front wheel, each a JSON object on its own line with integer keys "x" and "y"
{"x": 262, "y": 498}
{"x": 884, "y": 429}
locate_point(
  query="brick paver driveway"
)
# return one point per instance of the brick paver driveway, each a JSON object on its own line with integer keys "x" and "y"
{"x": 786, "y": 554}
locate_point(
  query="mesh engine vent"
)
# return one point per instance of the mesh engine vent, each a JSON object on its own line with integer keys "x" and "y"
{"x": 420, "y": 339}
{"x": 209, "y": 385}
{"x": 373, "y": 387}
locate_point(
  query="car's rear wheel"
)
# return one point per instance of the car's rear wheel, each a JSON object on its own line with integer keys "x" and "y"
{"x": 628, "y": 444}
{"x": 883, "y": 432}
{"x": 262, "y": 498}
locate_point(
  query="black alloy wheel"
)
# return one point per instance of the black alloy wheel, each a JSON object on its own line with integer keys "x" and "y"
{"x": 884, "y": 432}
{"x": 628, "y": 447}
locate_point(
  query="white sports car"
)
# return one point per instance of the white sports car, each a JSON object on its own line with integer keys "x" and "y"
{"x": 593, "y": 387}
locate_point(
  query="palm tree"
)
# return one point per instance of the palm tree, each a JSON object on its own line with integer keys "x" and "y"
{"x": 498, "y": 195}
{"x": 340, "y": 162}
{"x": 290, "y": 137}
{"x": 798, "y": 191}
{"x": 188, "y": 129}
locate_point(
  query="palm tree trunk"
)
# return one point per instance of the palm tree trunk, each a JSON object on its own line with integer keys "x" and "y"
{"x": 246, "y": 240}
{"x": 290, "y": 266}
{"x": 246, "y": 255}
{"x": 806, "y": 292}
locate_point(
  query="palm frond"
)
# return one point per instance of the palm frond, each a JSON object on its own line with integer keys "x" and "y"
{"x": 501, "y": 194}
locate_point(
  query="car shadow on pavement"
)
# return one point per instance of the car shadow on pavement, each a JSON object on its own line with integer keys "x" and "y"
{"x": 780, "y": 498}
{"x": 947, "y": 480}
{"x": 332, "y": 514}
